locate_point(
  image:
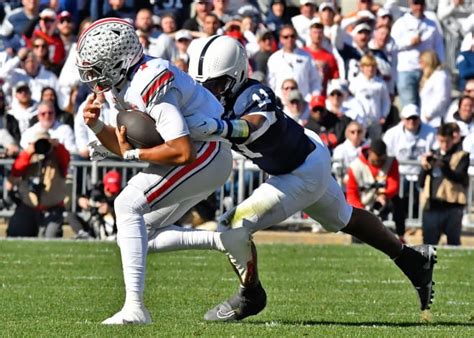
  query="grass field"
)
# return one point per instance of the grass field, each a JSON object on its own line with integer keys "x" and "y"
{"x": 59, "y": 289}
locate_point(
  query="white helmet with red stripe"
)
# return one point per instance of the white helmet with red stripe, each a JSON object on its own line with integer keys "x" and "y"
{"x": 106, "y": 51}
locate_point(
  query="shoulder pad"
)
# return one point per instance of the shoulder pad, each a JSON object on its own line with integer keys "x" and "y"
{"x": 152, "y": 80}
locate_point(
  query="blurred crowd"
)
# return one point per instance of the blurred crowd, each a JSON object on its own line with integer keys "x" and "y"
{"x": 385, "y": 79}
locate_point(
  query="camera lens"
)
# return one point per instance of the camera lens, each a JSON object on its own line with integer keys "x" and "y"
{"x": 42, "y": 146}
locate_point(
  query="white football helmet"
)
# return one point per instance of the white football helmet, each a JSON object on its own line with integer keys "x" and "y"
{"x": 220, "y": 63}
{"x": 106, "y": 51}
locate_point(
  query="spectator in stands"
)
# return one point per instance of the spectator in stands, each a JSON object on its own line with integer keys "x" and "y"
{"x": 277, "y": 16}
{"x": 435, "y": 93}
{"x": 183, "y": 40}
{"x": 383, "y": 44}
{"x": 30, "y": 71}
{"x": 340, "y": 102}
{"x": 160, "y": 44}
{"x": 46, "y": 28}
{"x": 69, "y": 77}
{"x": 408, "y": 141}
{"x": 249, "y": 28}
{"x": 444, "y": 180}
{"x": 464, "y": 117}
{"x": 41, "y": 51}
{"x": 365, "y": 9}
{"x": 220, "y": 9}
{"x": 119, "y": 9}
{"x": 95, "y": 217}
{"x": 325, "y": 61}
{"x": 302, "y": 22}
{"x": 454, "y": 106}
{"x": 8, "y": 121}
{"x": 453, "y": 16}
{"x": 18, "y": 19}
{"x": 414, "y": 33}
{"x": 296, "y": 107}
{"x": 267, "y": 45}
{"x": 23, "y": 107}
{"x": 465, "y": 65}
{"x": 348, "y": 151}
{"x": 373, "y": 94}
{"x": 66, "y": 30}
{"x": 287, "y": 86}
{"x": 47, "y": 122}
{"x": 351, "y": 54}
{"x": 196, "y": 23}
{"x": 168, "y": 24}
{"x": 326, "y": 124}
{"x": 331, "y": 21}
{"x": 48, "y": 94}
{"x": 39, "y": 172}
{"x": 384, "y": 18}
{"x": 292, "y": 62}
{"x": 373, "y": 180}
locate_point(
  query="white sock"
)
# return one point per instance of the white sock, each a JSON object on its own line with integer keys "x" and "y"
{"x": 172, "y": 238}
{"x": 130, "y": 205}
{"x": 133, "y": 300}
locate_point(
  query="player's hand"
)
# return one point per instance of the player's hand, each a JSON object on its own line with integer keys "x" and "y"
{"x": 91, "y": 110}
{"x": 201, "y": 126}
{"x": 122, "y": 139}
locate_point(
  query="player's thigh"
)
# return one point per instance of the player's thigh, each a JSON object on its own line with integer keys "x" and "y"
{"x": 331, "y": 210}
{"x": 166, "y": 186}
{"x": 164, "y": 216}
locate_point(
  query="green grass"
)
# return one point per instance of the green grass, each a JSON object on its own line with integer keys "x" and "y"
{"x": 58, "y": 289}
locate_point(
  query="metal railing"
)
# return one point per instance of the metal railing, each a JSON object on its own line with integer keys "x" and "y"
{"x": 244, "y": 179}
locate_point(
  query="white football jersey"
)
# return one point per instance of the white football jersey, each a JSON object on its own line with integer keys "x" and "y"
{"x": 167, "y": 94}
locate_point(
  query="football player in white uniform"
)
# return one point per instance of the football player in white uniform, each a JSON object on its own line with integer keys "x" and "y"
{"x": 181, "y": 172}
{"x": 300, "y": 167}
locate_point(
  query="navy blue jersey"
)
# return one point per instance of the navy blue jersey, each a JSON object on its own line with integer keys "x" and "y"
{"x": 284, "y": 146}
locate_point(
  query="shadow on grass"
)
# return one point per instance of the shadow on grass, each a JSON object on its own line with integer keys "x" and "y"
{"x": 368, "y": 323}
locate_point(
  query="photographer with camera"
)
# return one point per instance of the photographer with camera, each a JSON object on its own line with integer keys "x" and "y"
{"x": 444, "y": 180}
{"x": 95, "y": 217}
{"x": 374, "y": 180}
{"x": 39, "y": 173}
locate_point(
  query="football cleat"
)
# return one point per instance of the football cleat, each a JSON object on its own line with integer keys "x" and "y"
{"x": 417, "y": 263}
{"x": 124, "y": 316}
{"x": 246, "y": 302}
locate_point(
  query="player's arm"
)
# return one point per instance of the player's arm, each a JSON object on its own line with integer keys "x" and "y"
{"x": 177, "y": 148}
{"x": 178, "y": 151}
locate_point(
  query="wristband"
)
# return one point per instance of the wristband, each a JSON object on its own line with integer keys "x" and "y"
{"x": 98, "y": 127}
{"x": 132, "y": 154}
{"x": 237, "y": 130}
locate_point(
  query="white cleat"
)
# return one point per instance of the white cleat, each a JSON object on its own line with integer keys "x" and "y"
{"x": 136, "y": 316}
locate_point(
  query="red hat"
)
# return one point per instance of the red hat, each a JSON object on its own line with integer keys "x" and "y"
{"x": 113, "y": 182}
{"x": 64, "y": 15}
{"x": 317, "y": 101}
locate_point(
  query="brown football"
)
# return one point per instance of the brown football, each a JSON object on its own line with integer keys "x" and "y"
{"x": 141, "y": 130}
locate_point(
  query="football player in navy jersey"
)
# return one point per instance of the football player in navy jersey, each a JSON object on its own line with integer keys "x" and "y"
{"x": 299, "y": 165}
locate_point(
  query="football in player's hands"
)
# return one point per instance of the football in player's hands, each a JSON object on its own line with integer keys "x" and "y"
{"x": 141, "y": 130}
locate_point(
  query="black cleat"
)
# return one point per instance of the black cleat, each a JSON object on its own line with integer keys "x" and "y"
{"x": 246, "y": 302}
{"x": 417, "y": 263}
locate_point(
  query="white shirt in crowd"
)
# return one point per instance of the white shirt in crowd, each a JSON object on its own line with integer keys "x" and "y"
{"x": 405, "y": 145}
{"x": 435, "y": 97}
{"x": 373, "y": 95}
{"x": 298, "y": 66}
{"x": 345, "y": 153}
{"x": 405, "y": 29}
{"x": 12, "y": 74}
{"x": 23, "y": 115}
{"x": 62, "y": 132}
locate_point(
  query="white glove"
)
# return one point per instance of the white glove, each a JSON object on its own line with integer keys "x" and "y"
{"x": 97, "y": 151}
{"x": 201, "y": 126}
